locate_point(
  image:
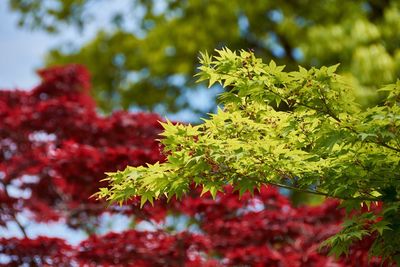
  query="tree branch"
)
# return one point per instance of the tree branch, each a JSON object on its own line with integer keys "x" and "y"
{"x": 13, "y": 215}
{"x": 320, "y": 193}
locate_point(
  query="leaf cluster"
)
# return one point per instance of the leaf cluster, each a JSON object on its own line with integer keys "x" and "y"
{"x": 301, "y": 130}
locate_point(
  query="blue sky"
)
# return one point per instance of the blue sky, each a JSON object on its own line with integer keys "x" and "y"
{"x": 22, "y": 51}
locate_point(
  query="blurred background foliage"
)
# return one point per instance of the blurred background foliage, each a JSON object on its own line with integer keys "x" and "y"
{"x": 146, "y": 59}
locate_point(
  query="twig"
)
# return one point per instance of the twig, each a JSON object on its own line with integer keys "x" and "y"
{"x": 15, "y": 219}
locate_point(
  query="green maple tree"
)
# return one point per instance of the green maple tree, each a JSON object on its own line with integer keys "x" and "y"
{"x": 300, "y": 130}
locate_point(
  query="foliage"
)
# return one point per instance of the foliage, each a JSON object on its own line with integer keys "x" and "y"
{"x": 300, "y": 130}
{"x": 54, "y": 148}
{"x": 53, "y": 142}
{"x": 146, "y": 57}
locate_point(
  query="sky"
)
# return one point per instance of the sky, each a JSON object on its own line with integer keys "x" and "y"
{"x": 22, "y": 51}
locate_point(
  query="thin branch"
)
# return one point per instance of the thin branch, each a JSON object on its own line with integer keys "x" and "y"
{"x": 15, "y": 219}
{"x": 286, "y": 46}
{"x": 20, "y": 226}
{"x": 387, "y": 146}
{"x": 321, "y": 193}
{"x": 315, "y": 192}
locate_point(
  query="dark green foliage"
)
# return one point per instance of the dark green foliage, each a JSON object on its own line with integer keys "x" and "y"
{"x": 151, "y": 65}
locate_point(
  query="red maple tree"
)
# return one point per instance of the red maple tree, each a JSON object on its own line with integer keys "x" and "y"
{"x": 54, "y": 150}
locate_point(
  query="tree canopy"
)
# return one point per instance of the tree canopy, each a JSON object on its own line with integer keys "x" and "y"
{"x": 300, "y": 130}
{"x": 147, "y": 58}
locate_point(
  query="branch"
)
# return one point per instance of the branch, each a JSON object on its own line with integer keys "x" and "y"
{"x": 286, "y": 46}
{"x": 315, "y": 192}
{"x": 387, "y": 146}
{"x": 15, "y": 219}
{"x": 20, "y": 226}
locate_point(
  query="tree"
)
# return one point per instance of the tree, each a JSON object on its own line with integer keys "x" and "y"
{"x": 54, "y": 149}
{"x": 300, "y": 130}
{"x": 151, "y": 64}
